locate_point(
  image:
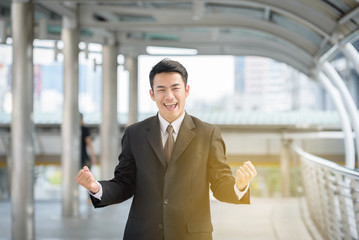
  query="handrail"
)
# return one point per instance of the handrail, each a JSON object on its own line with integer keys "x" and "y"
{"x": 326, "y": 163}
{"x": 332, "y": 196}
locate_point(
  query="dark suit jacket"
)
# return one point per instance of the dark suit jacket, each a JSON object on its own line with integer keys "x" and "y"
{"x": 170, "y": 202}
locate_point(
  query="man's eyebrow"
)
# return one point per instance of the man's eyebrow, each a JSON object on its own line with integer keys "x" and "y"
{"x": 160, "y": 86}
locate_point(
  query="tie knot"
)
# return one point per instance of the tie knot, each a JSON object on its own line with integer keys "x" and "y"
{"x": 169, "y": 129}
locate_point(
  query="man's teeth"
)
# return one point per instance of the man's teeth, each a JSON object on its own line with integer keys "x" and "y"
{"x": 170, "y": 105}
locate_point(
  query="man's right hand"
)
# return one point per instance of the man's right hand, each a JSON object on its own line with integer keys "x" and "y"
{"x": 87, "y": 180}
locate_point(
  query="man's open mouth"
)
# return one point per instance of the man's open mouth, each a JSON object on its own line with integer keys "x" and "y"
{"x": 170, "y": 106}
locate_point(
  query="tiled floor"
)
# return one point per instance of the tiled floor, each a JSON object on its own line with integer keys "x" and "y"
{"x": 265, "y": 218}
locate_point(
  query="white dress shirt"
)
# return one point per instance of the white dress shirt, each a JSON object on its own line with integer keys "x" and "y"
{"x": 176, "y": 124}
{"x": 164, "y": 135}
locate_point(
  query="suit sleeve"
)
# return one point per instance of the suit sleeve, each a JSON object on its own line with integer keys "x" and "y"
{"x": 122, "y": 186}
{"x": 220, "y": 174}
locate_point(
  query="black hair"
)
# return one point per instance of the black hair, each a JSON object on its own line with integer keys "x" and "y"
{"x": 167, "y": 65}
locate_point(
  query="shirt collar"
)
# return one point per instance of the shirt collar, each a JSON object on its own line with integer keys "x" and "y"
{"x": 176, "y": 124}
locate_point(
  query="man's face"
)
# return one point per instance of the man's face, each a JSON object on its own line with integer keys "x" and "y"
{"x": 169, "y": 93}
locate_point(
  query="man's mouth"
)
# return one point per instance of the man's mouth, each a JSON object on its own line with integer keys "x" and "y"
{"x": 170, "y": 106}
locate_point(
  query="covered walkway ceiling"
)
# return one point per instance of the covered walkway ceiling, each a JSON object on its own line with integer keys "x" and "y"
{"x": 297, "y": 32}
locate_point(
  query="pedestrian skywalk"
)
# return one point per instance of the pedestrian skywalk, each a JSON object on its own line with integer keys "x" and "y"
{"x": 264, "y": 218}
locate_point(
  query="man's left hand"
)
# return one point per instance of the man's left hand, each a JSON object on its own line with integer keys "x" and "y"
{"x": 245, "y": 174}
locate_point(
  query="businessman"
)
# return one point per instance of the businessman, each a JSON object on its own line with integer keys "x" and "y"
{"x": 168, "y": 163}
{"x": 86, "y": 146}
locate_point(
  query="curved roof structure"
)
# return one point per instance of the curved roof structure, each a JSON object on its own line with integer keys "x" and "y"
{"x": 297, "y": 32}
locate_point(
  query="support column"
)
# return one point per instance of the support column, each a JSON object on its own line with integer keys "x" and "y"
{"x": 347, "y": 100}
{"x": 109, "y": 124}
{"x": 70, "y": 130}
{"x": 346, "y": 128}
{"x": 22, "y": 127}
{"x": 285, "y": 158}
{"x": 132, "y": 67}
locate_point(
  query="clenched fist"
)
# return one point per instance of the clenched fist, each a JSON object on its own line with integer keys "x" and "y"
{"x": 245, "y": 174}
{"x": 87, "y": 180}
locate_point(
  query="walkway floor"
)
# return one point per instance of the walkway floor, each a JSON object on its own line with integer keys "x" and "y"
{"x": 265, "y": 218}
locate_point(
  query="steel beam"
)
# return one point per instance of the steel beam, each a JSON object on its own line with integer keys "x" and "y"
{"x": 347, "y": 100}
{"x": 348, "y": 137}
{"x": 352, "y": 55}
{"x": 22, "y": 127}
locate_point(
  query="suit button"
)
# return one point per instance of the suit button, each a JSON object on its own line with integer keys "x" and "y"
{"x": 165, "y": 201}
{"x": 160, "y": 226}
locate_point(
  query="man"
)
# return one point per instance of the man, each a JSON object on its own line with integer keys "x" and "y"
{"x": 86, "y": 144}
{"x": 170, "y": 188}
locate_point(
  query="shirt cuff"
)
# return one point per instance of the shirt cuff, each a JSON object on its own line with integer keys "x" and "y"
{"x": 97, "y": 195}
{"x": 239, "y": 194}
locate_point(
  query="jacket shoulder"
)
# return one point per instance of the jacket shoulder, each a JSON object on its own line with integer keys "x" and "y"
{"x": 202, "y": 124}
{"x": 144, "y": 123}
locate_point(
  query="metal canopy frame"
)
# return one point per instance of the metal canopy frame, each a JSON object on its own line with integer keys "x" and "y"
{"x": 297, "y": 32}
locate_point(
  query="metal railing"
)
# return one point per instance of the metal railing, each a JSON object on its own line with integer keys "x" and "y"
{"x": 332, "y": 195}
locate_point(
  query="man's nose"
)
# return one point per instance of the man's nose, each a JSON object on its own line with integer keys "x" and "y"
{"x": 169, "y": 94}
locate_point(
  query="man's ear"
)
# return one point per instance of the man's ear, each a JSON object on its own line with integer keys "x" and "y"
{"x": 187, "y": 90}
{"x": 152, "y": 94}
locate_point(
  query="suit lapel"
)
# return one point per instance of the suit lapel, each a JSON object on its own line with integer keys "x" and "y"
{"x": 184, "y": 137}
{"x": 154, "y": 138}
